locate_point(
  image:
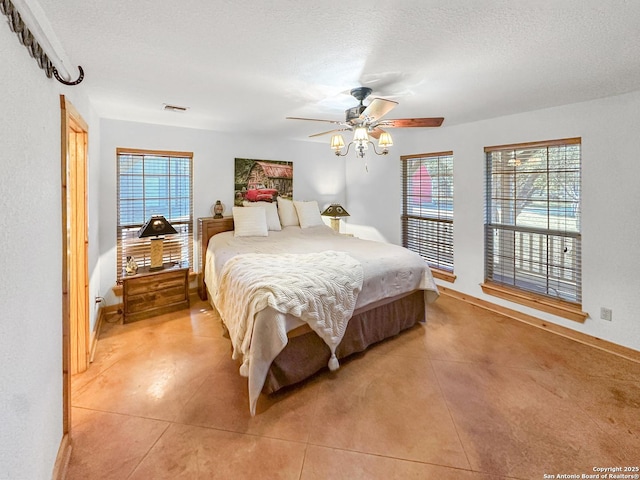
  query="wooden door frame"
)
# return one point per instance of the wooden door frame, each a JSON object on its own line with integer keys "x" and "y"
{"x": 72, "y": 122}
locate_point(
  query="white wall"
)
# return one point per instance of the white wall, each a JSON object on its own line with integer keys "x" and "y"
{"x": 610, "y": 229}
{"x": 318, "y": 174}
{"x": 31, "y": 244}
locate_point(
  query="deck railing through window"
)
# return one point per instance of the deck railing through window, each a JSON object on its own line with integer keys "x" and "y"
{"x": 539, "y": 262}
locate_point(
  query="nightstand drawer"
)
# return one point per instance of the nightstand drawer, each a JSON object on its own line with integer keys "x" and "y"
{"x": 144, "y": 301}
{"x": 155, "y": 283}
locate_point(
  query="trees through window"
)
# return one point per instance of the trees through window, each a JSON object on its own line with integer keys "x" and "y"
{"x": 427, "y": 207}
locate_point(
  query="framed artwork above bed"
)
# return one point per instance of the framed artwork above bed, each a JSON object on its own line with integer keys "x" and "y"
{"x": 262, "y": 180}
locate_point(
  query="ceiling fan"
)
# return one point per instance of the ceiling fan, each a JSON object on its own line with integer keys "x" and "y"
{"x": 367, "y": 120}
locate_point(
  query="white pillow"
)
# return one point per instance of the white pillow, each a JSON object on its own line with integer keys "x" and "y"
{"x": 287, "y": 213}
{"x": 250, "y": 222}
{"x": 308, "y": 214}
{"x": 273, "y": 220}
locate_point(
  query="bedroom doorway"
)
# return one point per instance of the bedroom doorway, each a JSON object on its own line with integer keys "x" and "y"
{"x": 75, "y": 272}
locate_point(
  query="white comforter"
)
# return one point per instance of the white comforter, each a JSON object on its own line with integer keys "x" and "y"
{"x": 389, "y": 272}
{"x": 320, "y": 288}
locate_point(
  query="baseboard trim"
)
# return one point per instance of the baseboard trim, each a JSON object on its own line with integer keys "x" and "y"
{"x": 610, "y": 347}
{"x": 62, "y": 459}
{"x": 102, "y": 314}
{"x": 95, "y": 334}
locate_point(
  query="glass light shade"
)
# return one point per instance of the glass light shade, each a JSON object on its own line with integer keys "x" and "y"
{"x": 360, "y": 135}
{"x": 337, "y": 142}
{"x": 385, "y": 140}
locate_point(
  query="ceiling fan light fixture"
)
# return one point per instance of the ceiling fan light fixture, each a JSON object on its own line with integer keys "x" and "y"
{"x": 337, "y": 142}
{"x": 361, "y": 143}
{"x": 385, "y": 140}
{"x": 360, "y": 135}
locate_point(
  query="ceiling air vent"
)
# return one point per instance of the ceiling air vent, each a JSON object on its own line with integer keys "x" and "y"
{"x": 174, "y": 108}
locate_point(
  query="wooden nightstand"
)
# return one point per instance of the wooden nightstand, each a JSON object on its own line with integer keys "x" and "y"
{"x": 208, "y": 227}
{"x": 147, "y": 294}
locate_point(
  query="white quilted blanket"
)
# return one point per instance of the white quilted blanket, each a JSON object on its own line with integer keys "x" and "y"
{"x": 320, "y": 288}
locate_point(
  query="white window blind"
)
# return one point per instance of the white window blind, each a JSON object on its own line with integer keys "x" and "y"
{"x": 532, "y": 217}
{"x": 427, "y": 207}
{"x": 154, "y": 183}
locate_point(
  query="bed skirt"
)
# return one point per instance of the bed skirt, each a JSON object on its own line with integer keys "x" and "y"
{"x": 307, "y": 354}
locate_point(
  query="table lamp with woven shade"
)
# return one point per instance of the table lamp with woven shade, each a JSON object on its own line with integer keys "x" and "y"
{"x": 156, "y": 227}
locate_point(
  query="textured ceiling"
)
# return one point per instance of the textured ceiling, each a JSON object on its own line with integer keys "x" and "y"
{"x": 244, "y": 65}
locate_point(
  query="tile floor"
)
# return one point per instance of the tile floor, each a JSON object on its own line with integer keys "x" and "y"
{"x": 470, "y": 395}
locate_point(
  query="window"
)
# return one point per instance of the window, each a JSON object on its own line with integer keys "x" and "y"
{"x": 427, "y": 209}
{"x": 154, "y": 183}
{"x": 532, "y": 218}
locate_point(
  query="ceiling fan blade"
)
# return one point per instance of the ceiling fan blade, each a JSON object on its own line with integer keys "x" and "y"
{"x": 329, "y": 131}
{"x": 412, "y": 122}
{"x": 314, "y": 120}
{"x": 376, "y": 132}
{"x": 377, "y": 109}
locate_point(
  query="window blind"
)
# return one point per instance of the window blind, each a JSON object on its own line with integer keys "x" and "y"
{"x": 154, "y": 183}
{"x": 532, "y": 217}
{"x": 427, "y": 207}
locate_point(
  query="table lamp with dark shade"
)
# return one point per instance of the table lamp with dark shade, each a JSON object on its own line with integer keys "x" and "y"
{"x": 156, "y": 227}
{"x": 335, "y": 211}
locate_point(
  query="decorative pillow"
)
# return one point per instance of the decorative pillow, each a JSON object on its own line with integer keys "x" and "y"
{"x": 287, "y": 213}
{"x": 250, "y": 222}
{"x": 271, "y": 209}
{"x": 308, "y": 214}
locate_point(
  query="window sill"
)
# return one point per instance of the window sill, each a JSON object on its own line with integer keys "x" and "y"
{"x": 443, "y": 275}
{"x": 568, "y": 310}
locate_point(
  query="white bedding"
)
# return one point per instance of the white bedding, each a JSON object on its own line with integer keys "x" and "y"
{"x": 319, "y": 288}
{"x": 389, "y": 271}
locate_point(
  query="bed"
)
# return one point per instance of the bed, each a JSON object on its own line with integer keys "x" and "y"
{"x": 377, "y": 291}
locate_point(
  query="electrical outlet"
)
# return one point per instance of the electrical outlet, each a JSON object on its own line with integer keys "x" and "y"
{"x": 606, "y": 314}
{"x": 98, "y": 302}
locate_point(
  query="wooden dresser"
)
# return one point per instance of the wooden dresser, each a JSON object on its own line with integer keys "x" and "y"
{"x": 207, "y": 227}
{"x": 147, "y": 294}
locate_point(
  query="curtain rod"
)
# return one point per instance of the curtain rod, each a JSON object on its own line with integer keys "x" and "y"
{"x": 28, "y": 21}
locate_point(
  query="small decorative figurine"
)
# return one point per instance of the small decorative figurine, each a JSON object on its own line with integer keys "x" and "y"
{"x": 218, "y": 209}
{"x": 131, "y": 267}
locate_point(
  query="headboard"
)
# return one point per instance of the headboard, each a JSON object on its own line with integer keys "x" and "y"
{"x": 207, "y": 228}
